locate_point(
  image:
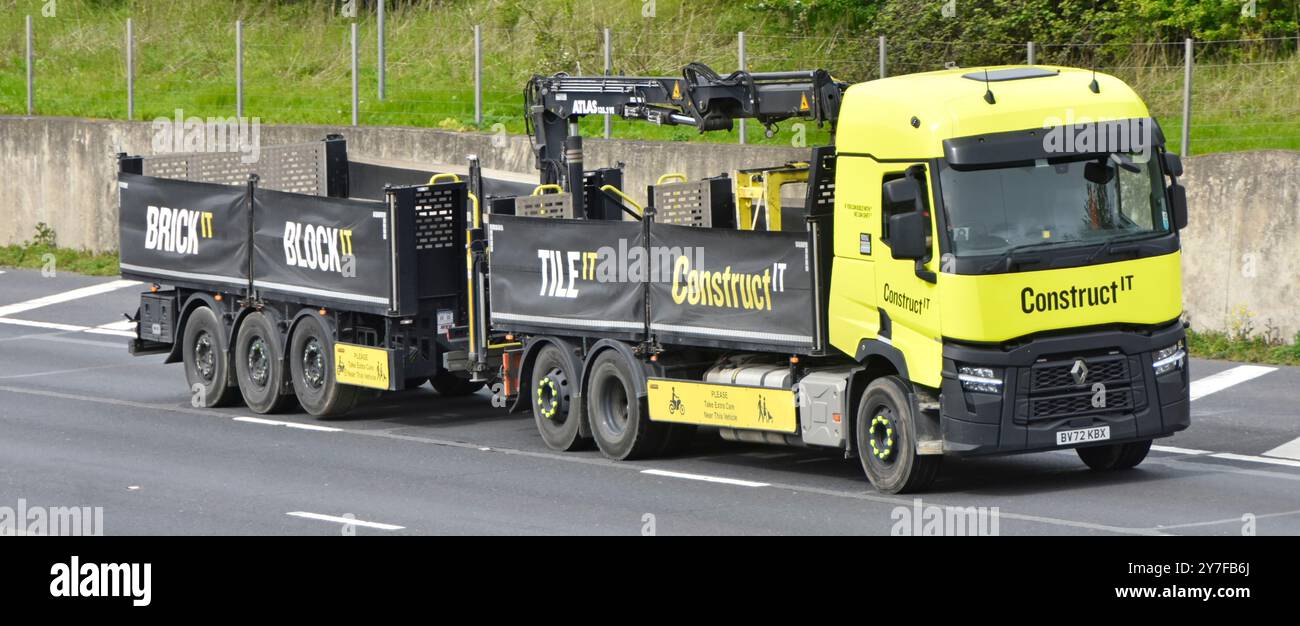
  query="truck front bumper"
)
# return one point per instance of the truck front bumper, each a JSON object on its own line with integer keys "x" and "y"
{"x": 1041, "y": 392}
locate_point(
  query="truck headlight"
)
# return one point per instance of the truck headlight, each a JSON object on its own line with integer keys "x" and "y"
{"x": 1169, "y": 359}
{"x": 980, "y": 379}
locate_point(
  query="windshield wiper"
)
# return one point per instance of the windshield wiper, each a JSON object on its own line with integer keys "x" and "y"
{"x": 1105, "y": 248}
{"x": 1008, "y": 258}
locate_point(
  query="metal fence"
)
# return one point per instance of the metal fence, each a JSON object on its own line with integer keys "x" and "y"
{"x": 1213, "y": 96}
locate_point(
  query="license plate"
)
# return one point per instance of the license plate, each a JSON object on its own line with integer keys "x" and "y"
{"x": 1083, "y": 435}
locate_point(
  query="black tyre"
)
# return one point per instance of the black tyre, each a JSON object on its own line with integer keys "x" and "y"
{"x": 455, "y": 386}
{"x": 886, "y": 439}
{"x": 207, "y": 360}
{"x": 311, "y": 363}
{"x": 557, "y": 414}
{"x": 414, "y": 383}
{"x": 259, "y": 365}
{"x": 620, "y": 421}
{"x": 677, "y": 440}
{"x": 1118, "y": 456}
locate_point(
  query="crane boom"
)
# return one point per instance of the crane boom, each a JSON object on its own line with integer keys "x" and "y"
{"x": 700, "y": 97}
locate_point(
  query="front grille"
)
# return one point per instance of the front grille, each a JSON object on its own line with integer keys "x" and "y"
{"x": 1054, "y": 393}
{"x": 1056, "y": 407}
{"x": 1058, "y": 376}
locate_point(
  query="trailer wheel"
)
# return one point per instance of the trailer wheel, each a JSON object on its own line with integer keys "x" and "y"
{"x": 886, "y": 439}
{"x": 455, "y": 386}
{"x": 620, "y": 421}
{"x": 311, "y": 362}
{"x": 1117, "y": 456}
{"x": 207, "y": 361}
{"x": 259, "y": 365}
{"x": 553, "y": 386}
{"x": 415, "y": 383}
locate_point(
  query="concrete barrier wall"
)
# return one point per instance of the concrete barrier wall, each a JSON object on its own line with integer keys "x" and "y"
{"x": 1240, "y": 264}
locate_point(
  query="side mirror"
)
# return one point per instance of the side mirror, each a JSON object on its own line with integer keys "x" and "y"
{"x": 1098, "y": 173}
{"x": 1177, "y": 205}
{"x": 907, "y": 235}
{"x": 1173, "y": 164}
{"x": 902, "y": 191}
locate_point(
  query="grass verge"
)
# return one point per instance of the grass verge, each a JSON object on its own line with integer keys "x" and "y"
{"x": 44, "y": 257}
{"x": 1219, "y": 345}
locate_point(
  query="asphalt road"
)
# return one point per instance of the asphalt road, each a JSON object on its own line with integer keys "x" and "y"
{"x": 82, "y": 423}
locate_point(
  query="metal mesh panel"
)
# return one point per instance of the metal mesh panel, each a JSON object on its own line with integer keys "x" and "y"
{"x": 684, "y": 204}
{"x": 554, "y": 206}
{"x": 295, "y": 168}
{"x": 435, "y": 219}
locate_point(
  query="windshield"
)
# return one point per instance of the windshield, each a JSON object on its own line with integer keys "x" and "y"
{"x": 1084, "y": 200}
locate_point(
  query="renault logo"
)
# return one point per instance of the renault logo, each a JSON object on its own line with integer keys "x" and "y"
{"x": 1079, "y": 372}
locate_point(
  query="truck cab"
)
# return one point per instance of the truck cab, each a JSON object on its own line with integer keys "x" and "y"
{"x": 1006, "y": 240}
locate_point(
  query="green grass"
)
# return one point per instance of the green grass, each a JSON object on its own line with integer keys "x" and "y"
{"x": 297, "y": 67}
{"x": 40, "y": 257}
{"x": 42, "y": 252}
{"x": 1251, "y": 349}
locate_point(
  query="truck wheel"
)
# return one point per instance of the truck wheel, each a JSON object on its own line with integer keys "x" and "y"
{"x": 454, "y": 386}
{"x": 259, "y": 365}
{"x": 620, "y": 422}
{"x": 677, "y": 439}
{"x": 1118, "y": 456}
{"x": 414, "y": 383}
{"x": 311, "y": 362}
{"x": 558, "y": 417}
{"x": 207, "y": 362}
{"x": 886, "y": 439}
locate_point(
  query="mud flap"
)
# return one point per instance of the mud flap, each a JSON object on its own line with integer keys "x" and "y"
{"x": 929, "y": 437}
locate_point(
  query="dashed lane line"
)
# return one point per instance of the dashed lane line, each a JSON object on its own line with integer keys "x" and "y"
{"x": 66, "y": 296}
{"x": 1289, "y": 450}
{"x": 346, "y": 521}
{"x": 266, "y": 422}
{"x": 107, "y": 329}
{"x": 1215, "y": 383}
{"x": 704, "y": 478}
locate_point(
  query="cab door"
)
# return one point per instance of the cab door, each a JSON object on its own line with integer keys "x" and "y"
{"x": 906, "y": 268}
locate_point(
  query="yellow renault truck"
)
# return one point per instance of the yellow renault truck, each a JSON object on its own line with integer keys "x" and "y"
{"x": 985, "y": 261}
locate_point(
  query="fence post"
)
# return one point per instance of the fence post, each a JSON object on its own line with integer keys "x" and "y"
{"x": 130, "y": 69}
{"x": 30, "y": 81}
{"x": 381, "y": 48}
{"x": 1033, "y": 54}
{"x": 740, "y": 50}
{"x": 478, "y": 75}
{"x": 883, "y": 56}
{"x": 356, "y": 115}
{"x": 1188, "y": 59}
{"x": 239, "y": 68}
{"x": 609, "y": 69}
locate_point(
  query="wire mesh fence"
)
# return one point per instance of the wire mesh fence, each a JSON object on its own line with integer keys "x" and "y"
{"x": 1243, "y": 93}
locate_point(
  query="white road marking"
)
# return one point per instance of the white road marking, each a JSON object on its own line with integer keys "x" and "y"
{"x": 701, "y": 477}
{"x": 67, "y": 296}
{"x": 1177, "y": 450}
{"x": 1289, "y": 450}
{"x": 71, "y": 328}
{"x": 121, "y": 328}
{"x": 258, "y": 420}
{"x": 346, "y": 521}
{"x": 47, "y": 325}
{"x": 1254, "y": 459}
{"x": 1227, "y": 378}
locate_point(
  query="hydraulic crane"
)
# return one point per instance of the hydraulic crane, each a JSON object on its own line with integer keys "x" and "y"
{"x": 700, "y": 97}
